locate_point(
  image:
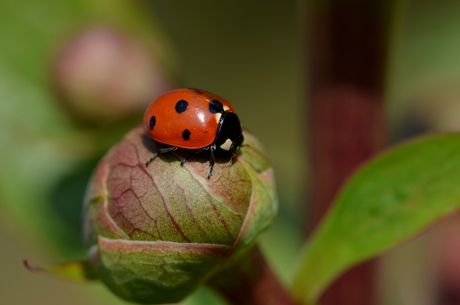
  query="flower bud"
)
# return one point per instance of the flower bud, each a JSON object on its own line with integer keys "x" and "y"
{"x": 103, "y": 75}
{"x": 156, "y": 233}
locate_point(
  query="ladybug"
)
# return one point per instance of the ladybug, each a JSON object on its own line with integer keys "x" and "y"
{"x": 195, "y": 120}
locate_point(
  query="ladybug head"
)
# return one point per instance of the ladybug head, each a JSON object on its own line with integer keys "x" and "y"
{"x": 229, "y": 137}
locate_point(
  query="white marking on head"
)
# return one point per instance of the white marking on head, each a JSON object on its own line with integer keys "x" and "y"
{"x": 227, "y": 144}
{"x": 226, "y": 108}
{"x": 217, "y": 116}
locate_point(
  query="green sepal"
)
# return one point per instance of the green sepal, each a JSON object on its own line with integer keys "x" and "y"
{"x": 156, "y": 272}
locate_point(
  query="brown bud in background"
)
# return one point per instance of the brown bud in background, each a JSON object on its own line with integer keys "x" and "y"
{"x": 103, "y": 75}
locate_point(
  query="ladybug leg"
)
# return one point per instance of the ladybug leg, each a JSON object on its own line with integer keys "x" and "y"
{"x": 160, "y": 152}
{"x": 196, "y": 152}
{"x": 235, "y": 150}
{"x": 230, "y": 162}
{"x": 212, "y": 160}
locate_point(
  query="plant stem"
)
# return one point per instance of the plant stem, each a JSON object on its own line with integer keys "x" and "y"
{"x": 347, "y": 44}
{"x": 251, "y": 282}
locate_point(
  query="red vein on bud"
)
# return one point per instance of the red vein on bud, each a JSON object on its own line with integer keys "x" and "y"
{"x": 168, "y": 212}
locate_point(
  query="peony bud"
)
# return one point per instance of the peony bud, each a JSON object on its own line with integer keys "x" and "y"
{"x": 156, "y": 233}
{"x": 104, "y": 76}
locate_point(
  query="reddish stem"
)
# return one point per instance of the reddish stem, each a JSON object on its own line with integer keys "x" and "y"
{"x": 347, "y": 43}
{"x": 251, "y": 282}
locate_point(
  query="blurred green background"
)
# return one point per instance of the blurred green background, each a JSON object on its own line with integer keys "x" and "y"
{"x": 249, "y": 52}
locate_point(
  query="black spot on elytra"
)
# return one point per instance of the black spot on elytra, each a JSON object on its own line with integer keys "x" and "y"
{"x": 186, "y": 134}
{"x": 153, "y": 121}
{"x": 181, "y": 106}
{"x": 216, "y": 107}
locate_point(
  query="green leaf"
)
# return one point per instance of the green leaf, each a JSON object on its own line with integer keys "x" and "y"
{"x": 389, "y": 200}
